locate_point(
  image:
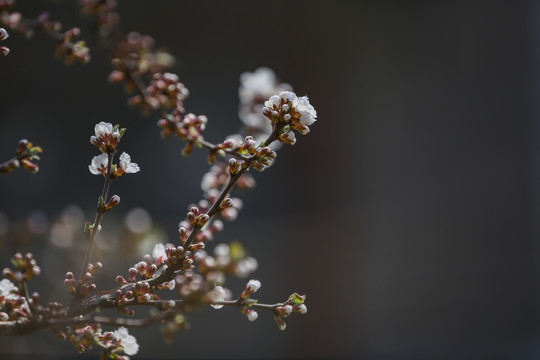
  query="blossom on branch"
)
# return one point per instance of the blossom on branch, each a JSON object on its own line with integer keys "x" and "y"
{"x": 293, "y": 112}
{"x": 126, "y": 166}
{"x": 127, "y": 342}
{"x": 99, "y": 164}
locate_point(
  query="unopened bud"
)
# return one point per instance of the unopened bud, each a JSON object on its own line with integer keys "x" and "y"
{"x": 226, "y": 203}
{"x": 197, "y": 246}
{"x": 113, "y": 201}
{"x": 203, "y": 219}
{"x": 22, "y": 146}
{"x": 284, "y": 310}
{"x": 279, "y": 322}
{"x": 133, "y": 274}
{"x": 301, "y": 308}
{"x": 233, "y": 166}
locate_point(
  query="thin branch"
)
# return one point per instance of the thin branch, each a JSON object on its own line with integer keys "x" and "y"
{"x": 99, "y": 215}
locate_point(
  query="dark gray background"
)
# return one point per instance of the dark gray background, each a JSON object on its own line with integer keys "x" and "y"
{"x": 408, "y": 215}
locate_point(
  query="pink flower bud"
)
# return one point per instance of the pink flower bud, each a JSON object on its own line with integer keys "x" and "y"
{"x": 202, "y": 220}
{"x": 226, "y": 203}
{"x": 133, "y": 274}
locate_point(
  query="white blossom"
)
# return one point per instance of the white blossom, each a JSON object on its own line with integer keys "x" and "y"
{"x": 208, "y": 181}
{"x": 308, "y": 115}
{"x": 253, "y": 285}
{"x": 218, "y": 294}
{"x": 159, "y": 253}
{"x": 8, "y": 290}
{"x": 99, "y": 164}
{"x": 127, "y": 166}
{"x": 102, "y": 129}
{"x": 254, "y": 88}
{"x": 261, "y": 83}
{"x": 127, "y": 342}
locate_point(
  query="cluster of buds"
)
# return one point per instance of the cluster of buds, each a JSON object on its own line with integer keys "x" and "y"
{"x": 72, "y": 51}
{"x": 165, "y": 91}
{"x": 206, "y": 233}
{"x": 3, "y": 36}
{"x": 25, "y": 268}
{"x": 107, "y": 19}
{"x": 85, "y": 287}
{"x": 188, "y": 128}
{"x": 295, "y": 304}
{"x": 26, "y": 154}
{"x": 227, "y": 260}
{"x": 137, "y": 57}
{"x": 263, "y": 158}
{"x": 247, "y": 302}
{"x": 291, "y": 112}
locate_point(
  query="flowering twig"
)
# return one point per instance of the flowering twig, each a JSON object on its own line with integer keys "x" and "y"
{"x": 66, "y": 47}
{"x": 26, "y": 154}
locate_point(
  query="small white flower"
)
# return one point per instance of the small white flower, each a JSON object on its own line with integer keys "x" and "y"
{"x": 159, "y": 253}
{"x": 8, "y": 291}
{"x": 127, "y": 166}
{"x": 218, "y": 294}
{"x": 127, "y": 342}
{"x": 102, "y": 129}
{"x": 99, "y": 164}
{"x": 308, "y": 115}
{"x": 253, "y": 285}
{"x": 208, "y": 181}
{"x": 259, "y": 84}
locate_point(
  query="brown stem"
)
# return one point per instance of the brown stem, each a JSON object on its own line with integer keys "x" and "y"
{"x": 99, "y": 215}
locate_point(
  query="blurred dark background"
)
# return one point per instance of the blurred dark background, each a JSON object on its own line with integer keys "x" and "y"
{"x": 408, "y": 215}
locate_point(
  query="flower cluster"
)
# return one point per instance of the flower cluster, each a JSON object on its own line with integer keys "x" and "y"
{"x": 255, "y": 88}
{"x": 106, "y": 138}
{"x": 136, "y": 58}
{"x": 164, "y": 91}
{"x": 85, "y": 287}
{"x": 189, "y": 128}
{"x": 26, "y": 154}
{"x": 113, "y": 343}
{"x": 66, "y": 47}
{"x": 293, "y": 112}
{"x": 70, "y": 50}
